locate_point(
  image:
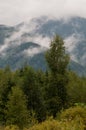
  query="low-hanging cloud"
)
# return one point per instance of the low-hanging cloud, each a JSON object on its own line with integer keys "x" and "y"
{"x": 33, "y": 51}
{"x": 15, "y": 11}
{"x": 21, "y": 36}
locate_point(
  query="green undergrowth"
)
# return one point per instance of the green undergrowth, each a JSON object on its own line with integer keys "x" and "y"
{"x": 73, "y": 118}
{"x": 75, "y": 124}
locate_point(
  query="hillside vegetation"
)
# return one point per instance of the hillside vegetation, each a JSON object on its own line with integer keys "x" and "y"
{"x": 37, "y": 100}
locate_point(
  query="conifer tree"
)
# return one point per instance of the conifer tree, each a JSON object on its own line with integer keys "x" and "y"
{"x": 16, "y": 108}
{"x": 57, "y": 60}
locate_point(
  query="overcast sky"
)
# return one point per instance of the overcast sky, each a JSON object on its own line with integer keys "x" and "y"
{"x": 16, "y": 11}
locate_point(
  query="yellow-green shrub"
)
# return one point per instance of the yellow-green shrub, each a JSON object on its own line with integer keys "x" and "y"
{"x": 73, "y": 112}
{"x": 12, "y": 127}
{"x": 1, "y": 127}
{"x": 59, "y": 125}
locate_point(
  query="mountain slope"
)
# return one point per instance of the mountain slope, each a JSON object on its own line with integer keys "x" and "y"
{"x": 28, "y": 41}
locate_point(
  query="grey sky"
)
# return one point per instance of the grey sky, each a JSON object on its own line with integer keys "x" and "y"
{"x": 16, "y": 11}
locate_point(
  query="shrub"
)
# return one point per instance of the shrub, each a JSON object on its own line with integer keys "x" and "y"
{"x": 59, "y": 125}
{"x": 12, "y": 127}
{"x": 77, "y": 112}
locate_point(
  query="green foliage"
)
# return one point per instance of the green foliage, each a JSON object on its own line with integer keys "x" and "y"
{"x": 32, "y": 89}
{"x": 57, "y": 59}
{"x": 16, "y": 109}
{"x": 80, "y": 104}
{"x": 73, "y": 113}
{"x": 56, "y": 125}
{"x": 28, "y": 96}
{"x": 76, "y": 88}
{"x": 6, "y": 82}
{"x": 12, "y": 127}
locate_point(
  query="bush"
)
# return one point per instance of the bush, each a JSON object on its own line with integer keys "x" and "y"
{"x": 72, "y": 113}
{"x": 56, "y": 125}
{"x": 12, "y": 127}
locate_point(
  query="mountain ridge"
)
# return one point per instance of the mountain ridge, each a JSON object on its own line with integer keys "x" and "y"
{"x": 40, "y": 31}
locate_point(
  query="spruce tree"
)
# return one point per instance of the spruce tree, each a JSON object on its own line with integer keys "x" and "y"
{"x": 57, "y": 60}
{"x": 16, "y": 108}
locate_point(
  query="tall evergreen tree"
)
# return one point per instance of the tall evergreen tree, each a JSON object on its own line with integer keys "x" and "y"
{"x": 32, "y": 90}
{"x": 56, "y": 57}
{"x": 16, "y": 108}
{"x": 57, "y": 60}
{"x": 6, "y": 82}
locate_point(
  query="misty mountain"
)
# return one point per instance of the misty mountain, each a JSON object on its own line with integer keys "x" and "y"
{"x": 27, "y": 42}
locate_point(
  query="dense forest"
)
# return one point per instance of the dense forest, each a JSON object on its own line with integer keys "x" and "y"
{"x": 54, "y": 99}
